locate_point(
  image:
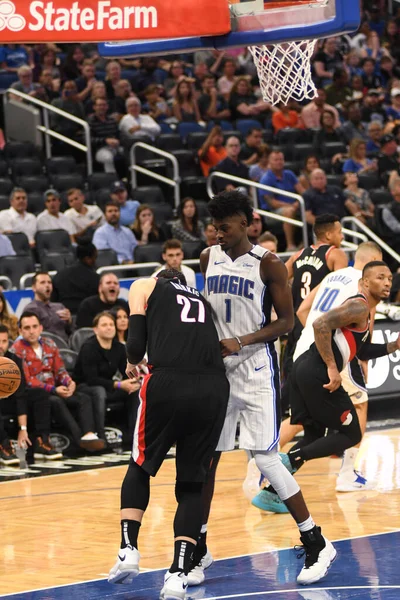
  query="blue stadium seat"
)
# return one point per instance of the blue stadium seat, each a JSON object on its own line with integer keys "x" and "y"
{"x": 185, "y": 128}
{"x": 243, "y": 125}
{"x": 7, "y": 79}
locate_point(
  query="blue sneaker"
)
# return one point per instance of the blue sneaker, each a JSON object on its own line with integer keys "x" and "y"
{"x": 286, "y": 462}
{"x": 270, "y": 502}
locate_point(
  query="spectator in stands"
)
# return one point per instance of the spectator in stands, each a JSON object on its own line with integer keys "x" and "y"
{"x": 258, "y": 170}
{"x": 51, "y": 218}
{"x": 388, "y": 70}
{"x": 6, "y": 319}
{"x": 98, "y": 91}
{"x": 211, "y": 234}
{"x": 231, "y": 165}
{"x": 44, "y": 369}
{"x": 54, "y": 316}
{"x": 18, "y": 404}
{"x": 123, "y": 91}
{"x": 47, "y": 62}
{"x": 311, "y": 162}
{"x": 6, "y": 247}
{"x": 312, "y": 112}
{"x": 101, "y": 363}
{"x": 156, "y": 107}
{"x": 176, "y": 74}
{"x": 188, "y": 227}
{"x": 255, "y": 228}
{"x": 373, "y": 48}
{"x": 212, "y": 151}
{"x": 16, "y": 219}
{"x": 285, "y": 117}
{"x": 25, "y": 83}
{"x": 135, "y": 125}
{"x": 104, "y": 300}
{"x": 393, "y": 111}
{"x": 338, "y": 91}
{"x": 72, "y": 66}
{"x": 69, "y": 102}
{"x": 375, "y": 22}
{"x": 73, "y": 284}
{"x": 244, "y": 104}
{"x": 354, "y": 127}
{"x": 284, "y": 179}
{"x": 388, "y": 159}
{"x": 375, "y": 131}
{"x": 212, "y": 105}
{"x": 49, "y": 85}
{"x": 121, "y": 317}
{"x": 114, "y": 236}
{"x": 371, "y": 79}
{"x": 105, "y": 136}
{"x": 322, "y": 198}
{"x": 85, "y": 218}
{"x": 14, "y": 56}
{"x": 269, "y": 241}
{"x": 327, "y": 133}
{"x": 127, "y": 206}
{"x": 227, "y": 81}
{"x": 185, "y": 108}
{"x": 113, "y": 76}
{"x": 327, "y": 61}
{"x": 391, "y": 216}
{"x": 358, "y": 161}
{"x": 358, "y": 201}
{"x": 85, "y": 83}
{"x": 372, "y": 109}
{"x": 391, "y": 38}
{"x": 248, "y": 151}
{"x": 173, "y": 256}
{"x": 145, "y": 228}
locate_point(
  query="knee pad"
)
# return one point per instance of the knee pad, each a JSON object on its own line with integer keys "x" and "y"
{"x": 279, "y": 477}
{"x": 187, "y": 487}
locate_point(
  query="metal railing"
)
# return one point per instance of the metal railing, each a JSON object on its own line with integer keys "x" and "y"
{"x": 6, "y": 282}
{"x": 48, "y": 132}
{"x": 135, "y": 168}
{"x": 23, "y": 285}
{"x": 253, "y": 186}
{"x": 370, "y": 234}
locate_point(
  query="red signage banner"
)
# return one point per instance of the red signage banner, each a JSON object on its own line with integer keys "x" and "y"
{"x": 110, "y": 20}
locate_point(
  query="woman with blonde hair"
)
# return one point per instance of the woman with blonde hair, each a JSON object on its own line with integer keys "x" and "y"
{"x": 358, "y": 161}
{"x": 144, "y": 227}
{"x": 10, "y": 321}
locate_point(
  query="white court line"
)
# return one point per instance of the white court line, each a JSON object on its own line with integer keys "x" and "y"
{"x": 305, "y": 589}
{"x": 357, "y": 537}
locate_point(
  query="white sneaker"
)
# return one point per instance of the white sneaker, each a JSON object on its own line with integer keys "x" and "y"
{"x": 318, "y": 558}
{"x": 196, "y": 576}
{"x": 352, "y": 481}
{"x": 127, "y": 566}
{"x": 175, "y": 585}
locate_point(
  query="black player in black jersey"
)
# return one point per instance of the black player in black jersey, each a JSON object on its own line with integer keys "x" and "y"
{"x": 320, "y": 402}
{"x": 306, "y": 269}
{"x": 183, "y": 400}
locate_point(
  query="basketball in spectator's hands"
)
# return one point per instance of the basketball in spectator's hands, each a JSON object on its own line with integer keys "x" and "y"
{"x": 10, "y": 377}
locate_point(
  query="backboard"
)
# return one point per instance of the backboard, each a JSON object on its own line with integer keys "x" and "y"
{"x": 255, "y": 22}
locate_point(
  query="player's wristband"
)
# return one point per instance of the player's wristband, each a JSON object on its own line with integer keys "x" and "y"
{"x": 23, "y": 428}
{"x": 239, "y": 342}
{"x": 119, "y": 385}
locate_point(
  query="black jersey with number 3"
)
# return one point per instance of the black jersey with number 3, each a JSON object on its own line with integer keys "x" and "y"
{"x": 180, "y": 330}
{"x": 309, "y": 269}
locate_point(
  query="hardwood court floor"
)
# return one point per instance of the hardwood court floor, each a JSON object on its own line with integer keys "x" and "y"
{"x": 65, "y": 528}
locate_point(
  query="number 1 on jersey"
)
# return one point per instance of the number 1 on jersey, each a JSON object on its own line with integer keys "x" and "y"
{"x": 228, "y": 305}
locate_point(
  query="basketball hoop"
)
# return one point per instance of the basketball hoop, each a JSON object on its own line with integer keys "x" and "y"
{"x": 284, "y": 70}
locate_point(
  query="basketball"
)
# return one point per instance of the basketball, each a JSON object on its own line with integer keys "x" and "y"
{"x": 10, "y": 377}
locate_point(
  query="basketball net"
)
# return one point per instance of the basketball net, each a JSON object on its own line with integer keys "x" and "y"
{"x": 284, "y": 71}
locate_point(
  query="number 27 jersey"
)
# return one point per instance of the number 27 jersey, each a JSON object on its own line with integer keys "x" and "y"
{"x": 239, "y": 298}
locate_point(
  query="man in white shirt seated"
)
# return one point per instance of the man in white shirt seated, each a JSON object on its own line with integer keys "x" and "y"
{"x": 173, "y": 256}
{"x": 134, "y": 126}
{"x": 52, "y": 218}
{"x": 15, "y": 219}
{"x": 86, "y": 218}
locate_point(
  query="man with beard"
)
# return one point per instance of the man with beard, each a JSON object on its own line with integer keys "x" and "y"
{"x": 105, "y": 300}
{"x": 114, "y": 236}
{"x": 54, "y": 316}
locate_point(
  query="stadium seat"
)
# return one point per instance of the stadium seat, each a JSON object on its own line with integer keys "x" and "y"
{"x": 195, "y": 140}
{"x": 301, "y": 151}
{"x": 165, "y": 128}
{"x": 69, "y": 357}
{"x": 36, "y": 202}
{"x": 369, "y": 181}
{"x": 23, "y": 167}
{"x": 4, "y": 169}
{"x": 60, "y": 165}
{"x": 202, "y": 207}
{"x": 380, "y": 196}
{"x": 185, "y": 128}
{"x": 287, "y": 150}
{"x": 243, "y": 125}
{"x": 268, "y": 136}
{"x": 288, "y": 136}
{"x": 4, "y": 201}
{"x": 334, "y": 180}
{"x": 169, "y": 142}
{"x": 143, "y": 154}
{"x": 79, "y": 337}
{"x": 6, "y": 185}
{"x": 166, "y": 228}
{"x": 229, "y": 132}
{"x": 98, "y": 181}
{"x": 148, "y": 194}
{"x": 192, "y": 249}
{"x": 293, "y": 165}
{"x": 20, "y": 243}
{"x": 162, "y": 211}
{"x": 56, "y": 261}
{"x": 195, "y": 187}
{"x": 54, "y": 240}
{"x": 60, "y": 343}
{"x": 16, "y": 266}
{"x": 63, "y": 182}
{"x": 148, "y": 253}
{"x": 6, "y": 283}
{"x": 7, "y": 79}
{"x": 155, "y": 166}
{"x": 16, "y": 149}
{"x": 187, "y": 164}
{"x": 101, "y": 197}
{"x": 33, "y": 183}
{"x": 106, "y": 258}
{"x": 329, "y": 149}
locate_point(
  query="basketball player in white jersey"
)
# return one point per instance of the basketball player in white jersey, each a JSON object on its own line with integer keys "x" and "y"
{"x": 242, "y": 283}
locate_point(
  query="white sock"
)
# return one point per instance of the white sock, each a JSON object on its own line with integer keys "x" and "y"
{"x": 203, "y": 528}
{"x": 349, "y": 460}
{"x": 306, "y": 525}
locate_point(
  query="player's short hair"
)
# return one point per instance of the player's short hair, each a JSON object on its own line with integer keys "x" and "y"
{"x": 4, "y": 329}
{"x": 324, "y": 223}
{"x": 37, "y": 274}
{"x": 111, "y": 203}
{"x": 106, "y": 275}
{"x": 227, "y": 204}
{"x": 267, "y": 236}
{"x": 365, "y": 249}
{"x": 104, "y": 313}
{"x": 172, "y": 244}
{"x": 85, "y": 250}
{"x": 371, "y": 265}
{"x": 172, "y": 274}
{"x": 26, "y": 315}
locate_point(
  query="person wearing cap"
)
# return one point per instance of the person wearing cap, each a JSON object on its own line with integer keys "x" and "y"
{"x": 135, "y": 126}
{"x": 84, "y": 217}
{"x": 388, "y": 158}
{"x": 127, "y": 206}
{"x": 393, "y": 112}
{"x": 372, "y": 109}
{"x": 52, "y": 218}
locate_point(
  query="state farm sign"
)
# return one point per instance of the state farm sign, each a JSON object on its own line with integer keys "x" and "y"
{"x": 107, "y": 20}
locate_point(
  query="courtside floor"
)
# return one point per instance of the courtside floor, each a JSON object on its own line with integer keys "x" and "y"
{"x": 59, "y": 530}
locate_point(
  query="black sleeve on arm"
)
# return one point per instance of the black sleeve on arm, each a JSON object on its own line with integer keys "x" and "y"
{"x": 137, "y": 339}
{"x": 369, "y": 351}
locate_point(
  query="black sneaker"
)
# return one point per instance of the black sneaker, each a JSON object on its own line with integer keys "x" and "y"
{"x": 7, "y": 454}
{"x": 45, "y": 451}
